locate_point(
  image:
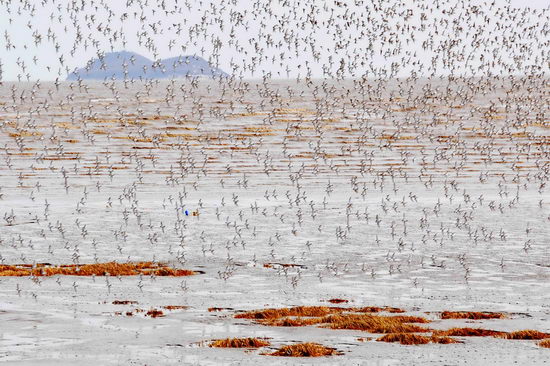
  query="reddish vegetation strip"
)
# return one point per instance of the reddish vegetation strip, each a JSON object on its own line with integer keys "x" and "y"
{"x": 471, "y": 315}
{"x": 304, "y": 350}
{"x": 97, "y": 269}
{"x": 214, "y": 309}
{"x": 375, "y": 323}
{"x": 404, "y": 338}
{"x": 470, "y": 332}
{"x": 124, "y": 302}
{"x": 444, "y": 340}
{"x": 336, "y": 318}
{"x": 545, "y": 343}
{"x": 175, "y": 307}
{"x": 337, "y": 301}
{"x": 239, "y": 343}
{"x": 412, "y": 339}
{"x": 376, "y": 309}
{"x": 312, "y": 311}
{"x": 527, "y": 334}
{"x": 409, "y": 319}
{"x": 154, "y": 313}
{"x": 291, "y": 322}
{"x": 397, "y": 328}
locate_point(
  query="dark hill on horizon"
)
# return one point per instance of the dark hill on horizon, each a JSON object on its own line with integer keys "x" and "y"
{"x": 130, "y": 65}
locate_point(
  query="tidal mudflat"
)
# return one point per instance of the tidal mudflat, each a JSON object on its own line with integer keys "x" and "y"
{"x": 188, "y": 221}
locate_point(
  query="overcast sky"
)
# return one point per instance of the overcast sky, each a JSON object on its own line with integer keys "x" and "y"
{"x": 170, "y": 35}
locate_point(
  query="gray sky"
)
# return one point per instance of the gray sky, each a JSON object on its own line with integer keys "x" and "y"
{"x": 319, "y": 47}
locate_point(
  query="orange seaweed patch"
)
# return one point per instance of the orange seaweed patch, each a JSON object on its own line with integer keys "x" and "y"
{"x": 405, "y": 338}
{"x": 336, "y": 318}
{"x": 291, "y": 322}
{"x": 304, "y": 350}
{"x": 527, "y": 334}
{"x": 154, "y": 313}
{"x": 124, "y": 302}
{"x": 312, "y": 311}
{"x": 375, "y": 323}
{"x": 337, "y": 301}
{"x": 175, "y": 307}
{"x": 375, "y": 309}
{"x": 25, "y": 134}
{"x": 24, "y": 154}
{"x": 545, "y": 343}
{"x": 97, "y": 269}
{"x": 412, "y": 339}
{"x": 213, "y": 309}
{"x": 471, "y": 315}
{"x": 409, "y": 319}
{"x": 239, "y": 343}
{"x": 470, "y": 332}
{"x": 444, "y": 340}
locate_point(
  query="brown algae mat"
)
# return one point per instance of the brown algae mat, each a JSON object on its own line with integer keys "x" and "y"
{"x": 124, "y": 302}
{"x": 337, "y": 318}
{"x": 474, "y": 315}
{"x": 304, "y": 350}
{"x": 412, "y": 339}
{"x": 153, "y": 312}
{"x": 337, "y": 301}
{"x": 96, "y": 269}
{"x": 239, "y": 343}
{"x": 469, "y": 332}
{"x": 311, "y": 311}
{"x": 403, "y": 329}
{"x": 527, "y": 334}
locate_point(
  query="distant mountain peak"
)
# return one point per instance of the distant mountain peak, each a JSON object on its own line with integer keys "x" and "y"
{"x": 130, "y": 65}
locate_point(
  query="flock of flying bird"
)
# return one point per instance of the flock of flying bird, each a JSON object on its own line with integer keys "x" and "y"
{"x": 371, "y": 138}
